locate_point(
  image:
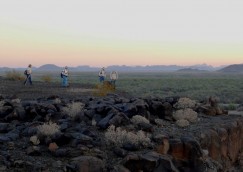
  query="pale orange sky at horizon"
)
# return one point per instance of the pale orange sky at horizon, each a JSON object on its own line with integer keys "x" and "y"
{"x": 144, "y": 32}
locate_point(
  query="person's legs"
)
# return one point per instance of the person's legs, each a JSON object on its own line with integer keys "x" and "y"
{"x": 30, "y": 81}
{"x": 26, "y": 79}
{"x": 65, "y": 81}
{"x": 114, "y": 83}
{"x": 102, "y": 79}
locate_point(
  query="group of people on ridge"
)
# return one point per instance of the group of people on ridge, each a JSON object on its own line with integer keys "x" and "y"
{"x": 65, "y": 75}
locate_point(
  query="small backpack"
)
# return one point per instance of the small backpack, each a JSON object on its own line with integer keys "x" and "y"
{"x": 61, "y": 75}
{"x": 25, "y": 72}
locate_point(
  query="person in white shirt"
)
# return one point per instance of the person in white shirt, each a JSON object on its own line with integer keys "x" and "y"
{"x": 28, "y": 73}
{"x": 102, "y": 75}
{"x": 64, "y": 76}
{"x": 113, "y": 77}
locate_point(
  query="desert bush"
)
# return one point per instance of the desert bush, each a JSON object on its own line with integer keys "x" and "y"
{"x": 187, "y": 114}
{"x": 14, "y": 76}
{"x": 119, "y": 137}
{"x": 185, "y": 103}
{"x": 48, "y": 129}
{"x": 46, "y": 78}
{"x": 73, "y": 109}
{"x": 34, "y": 140}
{"x": 17, "y": 100}
{"x": 139, "y": 119}
{"x": 104, "y": 89}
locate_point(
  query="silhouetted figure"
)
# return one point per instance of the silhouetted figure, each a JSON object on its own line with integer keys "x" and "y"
{"x": 102, "y": 75}
{"x": 28, "y": 73}
{"x": 113, "y": 77}
{"x": 64, "y": 75}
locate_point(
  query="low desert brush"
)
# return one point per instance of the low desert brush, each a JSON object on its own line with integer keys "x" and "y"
{"x": 14, "y": 76}
{"x": 73, "y": 109}
{"x": 119, "y": 137}
{"x": 46, "y": 78}
{"x": 139, "y": 119}
{"x": 48, "y": 129}
{"x": 104, "y": 89}
{"x": 185, "y": 103}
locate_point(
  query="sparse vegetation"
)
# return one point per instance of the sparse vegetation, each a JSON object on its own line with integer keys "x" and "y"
{"x": 73, "y": 109}
{"x": 14, "y": 76}
{"x": 46, "y": 78}
{"x": 104, "y": 89}
{"x": 195, "y": 86}
{"x": 119, "y": 137}
{"x": 185, "y": 103}
{"x": 139, "y": 119}
{"x": 186, "y": 114}
{"x": 48, "y": 129}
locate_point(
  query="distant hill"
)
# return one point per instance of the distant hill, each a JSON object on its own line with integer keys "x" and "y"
{"x": 235, "y": 68}
{"x": 49, "y": 67}
{"x": 190, "y": 70}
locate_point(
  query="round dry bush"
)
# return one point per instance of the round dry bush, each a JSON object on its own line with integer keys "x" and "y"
{"x": 187, "y": 114}
{"x": 48, "y": 129}
{"x": 185, "y": 103}
{"x": 137, "y": 119}
{"x": 73, "y": 109}
{"x": 119, "y": 137}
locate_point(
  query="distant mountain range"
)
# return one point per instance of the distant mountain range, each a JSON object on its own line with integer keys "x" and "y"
{"x": 235, "y": 68}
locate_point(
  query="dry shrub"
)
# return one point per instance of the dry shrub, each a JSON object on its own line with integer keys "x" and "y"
{"x": 104, "y": 89}
{"x": 119, "y": 137}
{"x": 139, "y": 119}
{"x": 185, "y": 103}
{"x": 14, "y": 76}
{"x": 73, "y": 109}
{"x": 187, "y": 114}
{"x": 46, "y": 78}
{"x": 48, "y": 129}
{"x": 17, "y": 100}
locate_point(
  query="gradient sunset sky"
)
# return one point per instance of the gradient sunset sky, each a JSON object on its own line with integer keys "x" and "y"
{"x": 120, "y": 32}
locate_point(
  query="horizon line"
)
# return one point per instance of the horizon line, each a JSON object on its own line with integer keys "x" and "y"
{"x": 124, "y": 65}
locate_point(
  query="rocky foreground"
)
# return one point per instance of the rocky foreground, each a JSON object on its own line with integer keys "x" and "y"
{"x": 119, "y": 134}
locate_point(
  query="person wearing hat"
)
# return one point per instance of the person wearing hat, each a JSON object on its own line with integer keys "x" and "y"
{"x": 113, "y": 77}
{"x": 28, "y": 73}
{"x": 64, "y": 76}
{"x": 102, "y": 75}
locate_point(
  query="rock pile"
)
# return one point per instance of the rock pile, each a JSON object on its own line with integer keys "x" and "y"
{"x": 58, "y": 134}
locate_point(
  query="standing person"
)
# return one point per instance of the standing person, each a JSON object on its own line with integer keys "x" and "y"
{"x": 102, "y": 75}
{"x": 64, "y": 75}
{"x": 28, "y": 73}
{"x": 113, "y": 77}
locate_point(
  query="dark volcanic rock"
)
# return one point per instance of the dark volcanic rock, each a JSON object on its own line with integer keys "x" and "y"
{"x": 213, "y": 143}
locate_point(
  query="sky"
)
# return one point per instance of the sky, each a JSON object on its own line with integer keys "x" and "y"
{"x": 120, "y": 32}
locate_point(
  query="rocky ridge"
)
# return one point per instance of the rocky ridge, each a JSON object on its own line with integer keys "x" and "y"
{"x": 58, "y": 134}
